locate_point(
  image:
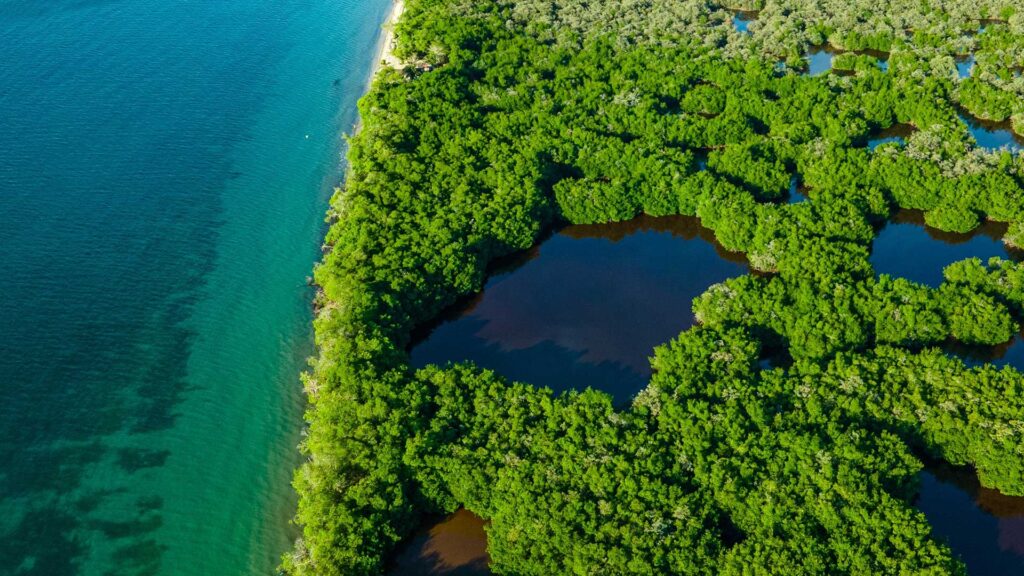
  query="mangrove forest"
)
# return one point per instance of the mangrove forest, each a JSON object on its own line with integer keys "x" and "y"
{"x": 804, "y": 154}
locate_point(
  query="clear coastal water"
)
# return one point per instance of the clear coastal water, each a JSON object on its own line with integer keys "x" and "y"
{"x": 164, "y": 173}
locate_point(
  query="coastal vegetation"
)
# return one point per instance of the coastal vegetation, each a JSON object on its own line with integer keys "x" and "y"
{"x": 537, "y": 113}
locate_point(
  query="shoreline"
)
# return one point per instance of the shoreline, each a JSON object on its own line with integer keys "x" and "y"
{"x": 384, "y": 52}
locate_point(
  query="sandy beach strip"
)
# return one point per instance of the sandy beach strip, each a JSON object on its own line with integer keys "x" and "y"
{"x": 385, "y": 55}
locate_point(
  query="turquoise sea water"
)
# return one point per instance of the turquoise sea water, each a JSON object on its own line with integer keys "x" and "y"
{"x": 164, "y": 170}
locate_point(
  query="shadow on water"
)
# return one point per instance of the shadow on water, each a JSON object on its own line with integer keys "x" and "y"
{"x": 881, "y": 57}
{"x": 993, "y": 135}
{"x": 53, "y": 497}
{"x": 700, "y": 157}
{"x": 1008, "y": 354}
{"x": 907, "y": 248}
{"x": 454, "y": 546}
{"x": 984, "y": 528}
{"x": 984, "y": 23}
{"x": 586, "y": 307}
{"x": 897, "y": 133}
{"x": 797, "y": 192}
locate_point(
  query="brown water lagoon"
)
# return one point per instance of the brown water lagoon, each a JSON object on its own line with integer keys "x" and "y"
{"x": 455, "y": 546}
{"x": 587, "y": 307}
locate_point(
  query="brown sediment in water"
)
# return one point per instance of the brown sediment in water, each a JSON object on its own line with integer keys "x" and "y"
{"x": 457, "y": 545}
{"x": 683, "y": 227}
{"x": 584, "y": 309}
{"x": 896, "y": 131}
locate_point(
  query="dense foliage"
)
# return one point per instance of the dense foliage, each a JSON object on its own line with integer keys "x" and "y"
{"x": 538, "y": 112}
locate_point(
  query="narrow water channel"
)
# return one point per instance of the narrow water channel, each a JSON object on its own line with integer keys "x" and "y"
{"x": 993, "y": 135}
{"x": 797, "y": 192}
{"x": 584, "y": 309}
{"x": 1008, "y": 354}
{"x": 907, "y": 248}
{"x": 897, "y": 133}
{"x": 964, "y": 66}
{"x": 984, "y": 528}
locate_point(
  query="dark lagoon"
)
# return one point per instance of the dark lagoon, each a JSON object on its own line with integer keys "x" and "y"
{"x": 1008, "y": 354}
{"x": 584, "y": 309}
{"x": 907, "y": 248}
{"x": 984, "y": 528}
{"x": 587, "y": 307}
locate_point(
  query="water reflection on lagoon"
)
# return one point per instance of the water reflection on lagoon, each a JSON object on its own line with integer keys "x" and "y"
{"x": 587, "y": 306}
